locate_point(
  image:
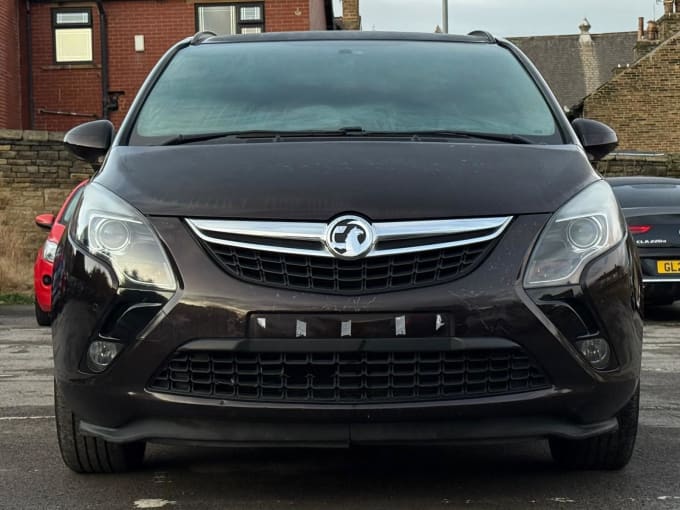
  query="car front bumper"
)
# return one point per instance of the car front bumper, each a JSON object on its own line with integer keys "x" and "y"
{"x": 487, "y": 304}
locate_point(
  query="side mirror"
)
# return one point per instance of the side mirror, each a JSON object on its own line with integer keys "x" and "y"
{"x": 45, "y": 221}
{"x": 597, "y": 138}
{"x": 90, "y": 141}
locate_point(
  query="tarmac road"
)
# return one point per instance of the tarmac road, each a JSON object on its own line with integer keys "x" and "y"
{"x": 517, "y": 476}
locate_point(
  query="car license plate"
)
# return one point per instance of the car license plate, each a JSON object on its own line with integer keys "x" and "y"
{"x": 668, "y": 266}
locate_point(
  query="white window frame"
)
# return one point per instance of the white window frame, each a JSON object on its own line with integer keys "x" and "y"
{"x": 239, "y": 24}
{"x": 62, "y": 29}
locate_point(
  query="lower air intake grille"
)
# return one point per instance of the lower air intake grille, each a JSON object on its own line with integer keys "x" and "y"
{"x": 348, "y": 377}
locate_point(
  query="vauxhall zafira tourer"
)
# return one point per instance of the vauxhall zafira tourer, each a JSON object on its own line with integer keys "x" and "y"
{"x": 330, "y": 239}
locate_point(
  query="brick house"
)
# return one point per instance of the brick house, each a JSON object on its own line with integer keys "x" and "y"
{"x": 628, "y": 80}
{"x": 642, "y": 101}
{"x": 65, "y": 62}
{"x": 575, "y": 65}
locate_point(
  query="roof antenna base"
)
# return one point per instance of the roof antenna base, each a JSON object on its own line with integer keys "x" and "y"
{"x": 483, "y": 33}
{"x": 199, "y": 37}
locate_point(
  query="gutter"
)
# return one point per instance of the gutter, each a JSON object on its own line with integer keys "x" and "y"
{"x": 29, "y": 61}
{"x": 104, "y": 47}
{"x": 330, "y": 16}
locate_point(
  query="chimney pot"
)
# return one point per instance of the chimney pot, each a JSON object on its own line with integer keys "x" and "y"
{"x": 668, "y": 6}
{"x": 641, "y": 28}
{"x": 652, "y": 30}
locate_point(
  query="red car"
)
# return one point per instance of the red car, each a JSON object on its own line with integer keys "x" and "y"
{"x": 42, "y": 272}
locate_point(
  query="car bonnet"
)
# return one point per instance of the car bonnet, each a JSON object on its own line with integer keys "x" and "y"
{"x": 317, "y": 180}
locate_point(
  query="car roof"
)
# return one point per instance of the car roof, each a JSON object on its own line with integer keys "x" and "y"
{"x": 478, "y": 37}
{"x": 642, "y": 179}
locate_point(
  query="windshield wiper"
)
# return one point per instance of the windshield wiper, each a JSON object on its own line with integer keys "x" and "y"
{"x": 203, "y": 137}
{"x": 495, "y": 137}
{"x": 344, "y": 131}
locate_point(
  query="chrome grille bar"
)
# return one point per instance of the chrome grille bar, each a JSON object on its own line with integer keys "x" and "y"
{"x": 264, "y": 229}
{"x": 309, "y": 238}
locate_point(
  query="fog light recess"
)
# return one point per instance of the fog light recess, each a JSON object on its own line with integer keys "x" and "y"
{"x": 101, "y": 354}
{"x": 596, "y": 351}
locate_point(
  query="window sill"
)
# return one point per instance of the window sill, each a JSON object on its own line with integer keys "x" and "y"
{"x": 84, "y": 65}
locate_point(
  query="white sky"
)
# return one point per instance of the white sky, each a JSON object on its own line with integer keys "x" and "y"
{"x": 506, "y": 18}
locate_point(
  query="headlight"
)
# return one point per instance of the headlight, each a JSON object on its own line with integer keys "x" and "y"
{"x": 585, "y": 227}
{"x": 115, "y": 232}
{"x": 49, "y": 250}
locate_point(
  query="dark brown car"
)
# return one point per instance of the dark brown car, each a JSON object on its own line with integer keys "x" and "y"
{"x": 346, "y": 238}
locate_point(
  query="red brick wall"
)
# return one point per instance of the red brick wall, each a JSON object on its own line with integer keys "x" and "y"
{"x": 10, "y": 71}
{"x": 66, "y": 88}
{"x": 286, "y": 15}
{"x": 161, "y": 22}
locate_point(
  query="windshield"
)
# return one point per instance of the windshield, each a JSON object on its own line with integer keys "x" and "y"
{"x": 374, "y": 86}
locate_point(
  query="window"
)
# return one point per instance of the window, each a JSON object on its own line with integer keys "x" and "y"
{"x": 72, "y": 35}
{"x": 230, "y": 19}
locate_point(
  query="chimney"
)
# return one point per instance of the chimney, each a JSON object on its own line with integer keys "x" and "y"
{"x": 589, "y": 61}
{"x": 641, "y": 28}
{"x": 350, "y": 15}
{"x": 652, "y": 30}
{"x": 648, "y": 40}
{"x": 585, "y": 27}
{"x": 669, "y": 24}
{"x": 668, "y": 6}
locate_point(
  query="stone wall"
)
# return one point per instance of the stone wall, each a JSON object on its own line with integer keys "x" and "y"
{"x": 351, "y": 20}
{"x": 629, "y": 164}
{"x": 36, "y": 174}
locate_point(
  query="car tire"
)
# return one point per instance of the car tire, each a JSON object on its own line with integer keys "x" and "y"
{"x": 86, "y": 454}
{"x": 42, "y": 318}
{"x": 610, "y": 451}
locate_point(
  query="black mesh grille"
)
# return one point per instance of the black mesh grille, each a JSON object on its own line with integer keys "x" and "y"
{"x": 330, "y": 275}
{"x": 351, "y": 377}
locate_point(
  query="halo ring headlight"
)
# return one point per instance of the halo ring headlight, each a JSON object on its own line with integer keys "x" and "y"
{"x": 584, "y": 233}
{"x": 113, "y": 235}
